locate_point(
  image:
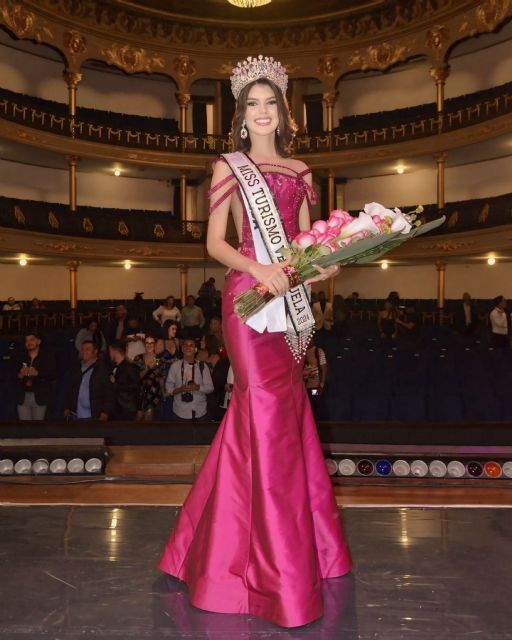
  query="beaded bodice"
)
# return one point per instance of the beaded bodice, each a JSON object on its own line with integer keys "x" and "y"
{"x": 289, "y": 189}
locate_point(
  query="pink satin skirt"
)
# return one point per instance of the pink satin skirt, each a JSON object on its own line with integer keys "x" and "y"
{"x": 260, "y": 528}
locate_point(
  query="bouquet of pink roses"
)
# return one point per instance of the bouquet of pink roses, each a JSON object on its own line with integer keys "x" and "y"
{"x": 342, "y": 239}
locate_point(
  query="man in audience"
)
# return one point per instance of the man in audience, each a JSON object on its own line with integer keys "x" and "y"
{"x": 465, "y": 316}
{"x": 500, "y": 324}
{"x": 322, "y": 313}
{"x": 126, "y": 380}
{"x": 135, "y": 336}
{"x": 189, "y": 382}
{"x": 37, "y": 373}
{"x": 91, "y": 393}
{"x": 119, "y": 325}
{"x": 12, "y": 305}
{"x": 192, "y": 319}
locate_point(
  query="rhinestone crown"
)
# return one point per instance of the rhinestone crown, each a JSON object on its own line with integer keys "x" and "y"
{"x": 254, "y": 68}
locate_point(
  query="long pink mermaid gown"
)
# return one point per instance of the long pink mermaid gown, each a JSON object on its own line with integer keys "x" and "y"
{"x": 260, "y": 528}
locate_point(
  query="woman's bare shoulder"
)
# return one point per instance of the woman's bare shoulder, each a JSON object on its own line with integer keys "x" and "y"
{"x": 296, "y": 165}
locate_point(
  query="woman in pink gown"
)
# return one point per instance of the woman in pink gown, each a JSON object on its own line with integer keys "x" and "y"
{"x": 260, "y": 528}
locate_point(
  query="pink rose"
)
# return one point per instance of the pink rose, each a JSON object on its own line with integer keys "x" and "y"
{"x": 320, "y": 225}
{"x": 340, "y": 214}
{"x": 315, "y": 232}
{"x": 304, "y": 239}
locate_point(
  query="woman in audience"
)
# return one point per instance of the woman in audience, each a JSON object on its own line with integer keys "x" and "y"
{"x": 388, "y": 320}
{"x": 168, "y": 348}
{"x": 152, "y": 373}
{"x": 91, "y": 332}
{"x": 167, "y": 311}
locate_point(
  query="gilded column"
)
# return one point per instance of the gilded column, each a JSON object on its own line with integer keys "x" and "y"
{"x": 72, "y": 79}
{"x": 440, "y": 74}
{"x": 183, "y": 195}
{"x": 330, "y": 101}
{"x": 217, "y": 109}
{"x": 183, "y": 102}
{"x": 72, "y": 164}
{"x": 73, "y": 285}
{"x": 441, "y": 166}
{"x": 183, "y": 282}
{"x": 441, "y": 283}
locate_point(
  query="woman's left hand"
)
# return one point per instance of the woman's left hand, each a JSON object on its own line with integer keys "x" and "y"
{"x": 324, "y": 274}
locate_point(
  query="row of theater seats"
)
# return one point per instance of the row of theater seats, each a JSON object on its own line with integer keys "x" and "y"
{"x": 437, "y": 377}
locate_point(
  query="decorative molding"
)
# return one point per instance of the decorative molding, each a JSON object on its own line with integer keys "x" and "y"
{"x": 75, "y": 43}
{"x": 381, "y": 56}
{"x": 24, "y": 23}
{"x": 132, "y": 59}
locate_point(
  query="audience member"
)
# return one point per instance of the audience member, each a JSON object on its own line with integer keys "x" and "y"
{"x": 189, "y": 382}
{"x": 12, "y": 305}
{"x": 192, "y": 319}
{"x": 135, "y": 336}
{"x": 36, "y": 305}
{"x": 500, "y": 329}
{"x": 387, "y": 320}
{"x": 118, "y": 326}
{"x": 208, "y": 289}
{"x": 152, "y": 375}
{"x": 91, "y": 332}
{"x": 215, "y": 330}
{"x": 465, "y": 316}
{"x": 353, "y": 300}
{"x": 169, "y": 348}
{"x": 339, "y": 314}
{"x": 126, "y": 380}
{"x": 322, "y": 313}
{"x": 219, "y": 368}
{"x": 167, "y": 311}
{"x": 37, "y": 375}
{"x": 409, "y": 321}
{"x": 91, "y": 393}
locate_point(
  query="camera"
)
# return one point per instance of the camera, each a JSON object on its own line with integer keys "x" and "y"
{"x": 187, "y": 396}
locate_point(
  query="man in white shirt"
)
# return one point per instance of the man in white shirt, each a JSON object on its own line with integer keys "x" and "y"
{"x": 499, "y": 323}
{"x": 192, "y": 319}
{"x": 322, "y": 313}
{"x": 189, "y": 382}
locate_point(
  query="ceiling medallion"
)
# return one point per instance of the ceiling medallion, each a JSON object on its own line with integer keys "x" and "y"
{"x": 249, "y": 4}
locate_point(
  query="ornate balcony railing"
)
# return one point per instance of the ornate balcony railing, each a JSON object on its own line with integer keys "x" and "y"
{"x": 156, "y": 134}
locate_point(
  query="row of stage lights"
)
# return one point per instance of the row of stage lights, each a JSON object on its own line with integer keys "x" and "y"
{"x": 491, "y": 261}
{"x": 383, "y": 467}
{"x": 42, "y": 466}
{"x": 23, "y": 262}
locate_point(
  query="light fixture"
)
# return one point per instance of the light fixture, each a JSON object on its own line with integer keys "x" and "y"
{"x": 23, "y": 262}
{"x": 491, "y": 260}
{"x": 400, "y": 169}
{"x": 384, "y": 265}
{"x": 117, "y": 172}
{"x": 127, "y": 264}
{"x": 249, "y": 4}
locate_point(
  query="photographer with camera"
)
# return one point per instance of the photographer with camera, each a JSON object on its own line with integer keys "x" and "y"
{"x": 189, "y": 382}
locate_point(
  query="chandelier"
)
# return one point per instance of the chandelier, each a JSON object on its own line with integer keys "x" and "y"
{"x": 249, "y": 4}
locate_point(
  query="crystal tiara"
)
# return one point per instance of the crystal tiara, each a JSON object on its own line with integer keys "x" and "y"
{"x": 254, "y": 68}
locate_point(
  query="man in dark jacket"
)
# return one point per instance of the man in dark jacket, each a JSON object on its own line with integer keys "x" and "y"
{"x": 37, "y": 373}
{"x": 91, "y": 394}
{"x": 126, "y": 380}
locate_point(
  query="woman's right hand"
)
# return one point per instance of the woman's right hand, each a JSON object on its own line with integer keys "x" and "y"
{"x": 272, "y": 276}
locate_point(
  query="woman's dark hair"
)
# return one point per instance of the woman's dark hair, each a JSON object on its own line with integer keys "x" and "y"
{"x": 497, "y": 300}
{"x": 92, "y": 319}
{"x": 338, "y": 302}
{"x": 165, "y": 327}
{"x": 287, "y": 126}
{"x": 211, "y": 344}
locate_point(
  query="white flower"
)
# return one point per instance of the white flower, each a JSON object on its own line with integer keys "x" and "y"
{"x": 363, "y": 222}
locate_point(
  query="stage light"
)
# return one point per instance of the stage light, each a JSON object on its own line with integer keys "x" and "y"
{"x": 383, "y": 467}
{"x": 491, "y": 261}
{"x": 419, "y": 468}
{"x": 58, "y": 466}
{"x": 365, "y": 467}
{"x": 93, "y": 465}
{"x": 400, "y": 169}
{"x": 40, "y": 466}
{"x": 347, "y": 467}
{"x": 332, "y": 467}
{"x": 437, "y": 468}
{"x": 474, "y": 469}
{"x": 23, "y": 466}
{"x": 492, "y": 469}
{"x": 23, "y": 262}
{"x": 6, "y": 467}
{"x": 127, "y": 264}
{"x": 507, "y": 469}
{"x": 76, "y": 465}
{"x": 384, "y": 265}
{"x": 401, "y": 468}
{"x": 117, "y": 172}
{"x": 456, "y": 469}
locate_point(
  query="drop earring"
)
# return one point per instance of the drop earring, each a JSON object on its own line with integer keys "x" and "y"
{"x": 243, "y": 131}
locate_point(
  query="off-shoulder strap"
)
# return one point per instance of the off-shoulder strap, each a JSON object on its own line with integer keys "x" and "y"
{"x": 311, "y": 194}
{"x": 222, "y": 190}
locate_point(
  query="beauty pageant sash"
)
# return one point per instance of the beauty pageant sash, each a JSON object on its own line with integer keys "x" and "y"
{"x": 290, "y": 313}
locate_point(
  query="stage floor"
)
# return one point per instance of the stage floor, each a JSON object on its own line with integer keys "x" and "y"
{"x": 90, "y": 572}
